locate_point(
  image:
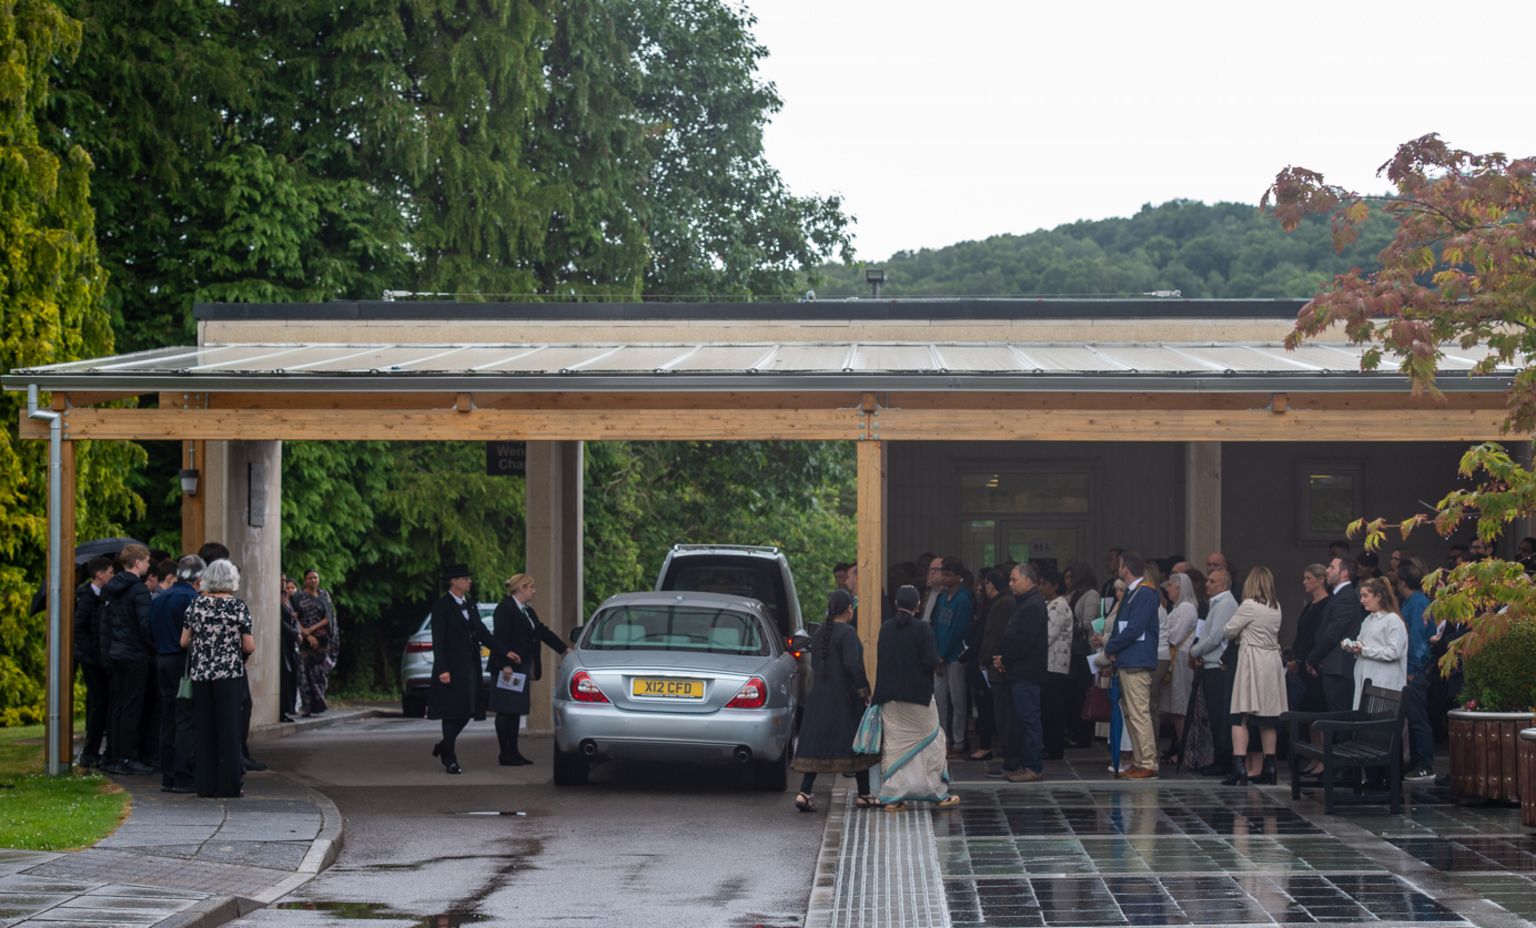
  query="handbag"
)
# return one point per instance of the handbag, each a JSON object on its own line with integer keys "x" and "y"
{"x": 1096, "y": 706}
{"x": 184, "y": 688}
{"x": 867, "y": 740}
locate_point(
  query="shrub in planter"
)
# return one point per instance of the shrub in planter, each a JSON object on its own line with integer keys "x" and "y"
{"x": 1501, "y": 677}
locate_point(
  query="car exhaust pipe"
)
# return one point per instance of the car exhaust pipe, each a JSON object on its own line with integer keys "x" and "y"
{"x": 743, "y": 754}
{"x": 589, "y": 748}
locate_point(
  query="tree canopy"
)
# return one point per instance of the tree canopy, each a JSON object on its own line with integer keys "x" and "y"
{"x": 1459, "y": 269}
{"x": 50, "y": 295}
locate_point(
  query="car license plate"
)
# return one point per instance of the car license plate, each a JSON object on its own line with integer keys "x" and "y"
{"x": 668, "y": 689}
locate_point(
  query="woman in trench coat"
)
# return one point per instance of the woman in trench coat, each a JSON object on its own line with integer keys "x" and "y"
{"x": 457, "y": 635}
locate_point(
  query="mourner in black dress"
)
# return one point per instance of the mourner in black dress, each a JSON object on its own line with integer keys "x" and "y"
{"x": 518, "y": 627}
{"x": 457, "y": 634}
{"x": 835, "y": 706}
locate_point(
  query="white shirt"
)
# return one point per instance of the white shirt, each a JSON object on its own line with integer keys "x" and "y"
{"x": 1341, "y": 586}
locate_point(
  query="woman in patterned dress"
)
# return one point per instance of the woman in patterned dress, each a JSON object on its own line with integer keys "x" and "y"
{"x": 217, "y": 636}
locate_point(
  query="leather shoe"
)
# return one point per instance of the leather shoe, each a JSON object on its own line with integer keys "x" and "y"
{"x": 253, "y": 764}
{"x": 135, "y": 768}
{"x": 454, "y": 768}
{"x": 285, "y": 717}
{"x": 1140, "y": 773}
{"x": 177, "y": 789}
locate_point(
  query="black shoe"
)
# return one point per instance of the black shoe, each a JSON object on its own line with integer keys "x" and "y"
{"x": 521, "y": 761}
{"x": 137, "y": 769}
{"x": 252, "y": 764}
{"x": 88, "y": 761}
{"x": 455, "y": 769}
{"x": 181, "y": 790}
{"x": 285, "y": 717}
{"x": 1238, "y": 776}
{"x": 1268, "y": 776}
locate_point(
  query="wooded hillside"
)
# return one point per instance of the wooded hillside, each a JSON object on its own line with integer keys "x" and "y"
{"x": 1212, "y": 251}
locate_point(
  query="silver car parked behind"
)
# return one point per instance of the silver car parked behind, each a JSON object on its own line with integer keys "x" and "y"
{"x": 700, "y": 677}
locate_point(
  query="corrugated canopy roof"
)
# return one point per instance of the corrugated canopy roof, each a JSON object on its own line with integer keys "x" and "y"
{"x": 1023, "y": 367}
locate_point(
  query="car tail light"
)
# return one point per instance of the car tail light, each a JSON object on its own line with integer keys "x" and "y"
{"x": 752, "y": 695}
{"x": 416, "y": 647}
{"x": 585, "y": 689}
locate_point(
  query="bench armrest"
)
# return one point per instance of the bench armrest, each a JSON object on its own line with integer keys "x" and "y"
{"x": 1317, "y": 716}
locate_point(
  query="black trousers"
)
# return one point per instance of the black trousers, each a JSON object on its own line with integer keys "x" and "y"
{"x": 1056, "y": 714}
{"x": 175, "y": 723}
{"x": 98, "y": 683}
{"x": 1338, "y": 692}
{"x": 288, "y": 686}
{"x": 451, "y": 729}
{"x": 1010, "y": 743}
{"x": 245, "y": 716}
{"x": 220, "y": 768}
{"x": 507, "y": 725}
{"x": 981, "y": 698}
{"x": 1218, "y": 703}
{"x": 130, "y": 681}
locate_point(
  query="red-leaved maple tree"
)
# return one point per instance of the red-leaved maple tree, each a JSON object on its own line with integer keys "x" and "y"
{"x": 1461, "y": 271}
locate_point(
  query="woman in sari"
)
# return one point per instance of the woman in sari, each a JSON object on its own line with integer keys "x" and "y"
{"x": 912, "y": 755}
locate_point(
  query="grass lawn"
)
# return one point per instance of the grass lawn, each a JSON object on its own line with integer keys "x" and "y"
{"x": 43, "y": 813}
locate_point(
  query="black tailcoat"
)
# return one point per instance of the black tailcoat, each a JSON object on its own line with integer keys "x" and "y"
{"x": 457, "y": 634}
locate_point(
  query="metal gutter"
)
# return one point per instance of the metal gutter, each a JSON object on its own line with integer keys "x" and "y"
{"x": 55, "y": 696}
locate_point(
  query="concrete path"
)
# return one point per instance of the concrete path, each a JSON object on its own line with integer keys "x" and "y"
{"x": 181, "y": 860}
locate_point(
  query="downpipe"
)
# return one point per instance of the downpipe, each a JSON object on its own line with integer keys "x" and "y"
{"x": 55, "y": 765}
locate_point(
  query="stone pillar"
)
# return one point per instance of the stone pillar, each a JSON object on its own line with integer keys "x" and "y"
{"x": 1202, "y": 500}
{"x": 553, "y": 503}
{"x": 243, "y": 482}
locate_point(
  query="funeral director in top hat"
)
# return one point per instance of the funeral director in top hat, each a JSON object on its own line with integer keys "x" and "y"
{"x": 457, "y": 634}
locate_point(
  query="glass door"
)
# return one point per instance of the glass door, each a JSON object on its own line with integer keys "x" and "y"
{"x": 1049, "y": 543}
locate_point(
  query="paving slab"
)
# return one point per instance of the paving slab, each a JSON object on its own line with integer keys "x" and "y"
{"x": 1083, "y": 849}
{"x": 178, "y": 861}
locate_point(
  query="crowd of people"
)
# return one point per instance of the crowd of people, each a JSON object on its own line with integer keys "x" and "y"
{"x": 162, "y": 646}
{"x": 1016, "y": 662}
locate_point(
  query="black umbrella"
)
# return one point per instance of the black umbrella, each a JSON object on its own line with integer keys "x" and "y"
{"x": 102, "y": 547}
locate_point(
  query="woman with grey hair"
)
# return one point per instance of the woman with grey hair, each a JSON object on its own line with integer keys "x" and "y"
{"x": 218, "y": 636}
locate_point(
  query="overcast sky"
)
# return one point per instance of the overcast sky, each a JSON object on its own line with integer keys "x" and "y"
{"x": 943, "y": 122}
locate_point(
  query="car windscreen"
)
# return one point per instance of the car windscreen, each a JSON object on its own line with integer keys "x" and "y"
{"x": 676, "y": 628}
{"x": 732, "y": 577}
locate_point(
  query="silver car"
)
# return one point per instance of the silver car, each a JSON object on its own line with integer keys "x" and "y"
{"x": 699, "y": 677}
{"x": 416, "y": 665}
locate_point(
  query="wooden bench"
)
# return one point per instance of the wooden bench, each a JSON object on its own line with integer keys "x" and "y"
{"x": 1370, "y": 738}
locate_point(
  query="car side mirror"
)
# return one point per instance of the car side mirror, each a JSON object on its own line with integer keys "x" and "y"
{"x": 799, "y": 645}
{"x": 576, "y": 633}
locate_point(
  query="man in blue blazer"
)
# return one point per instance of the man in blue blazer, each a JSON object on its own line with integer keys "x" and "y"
{"x": 1133, "y": 650}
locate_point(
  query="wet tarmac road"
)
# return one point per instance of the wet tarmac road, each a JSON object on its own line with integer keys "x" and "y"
{"x": 641, "y": 845}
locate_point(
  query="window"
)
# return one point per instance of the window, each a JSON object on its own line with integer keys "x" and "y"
{"x": 999, "y": 492}
{"x": 1331, "y": 498}
{"x": 676, "y": 628}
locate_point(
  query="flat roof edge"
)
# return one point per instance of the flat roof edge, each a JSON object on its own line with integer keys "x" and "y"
{"x": 1342, "y": 382}
{"x": 852, "y": 309}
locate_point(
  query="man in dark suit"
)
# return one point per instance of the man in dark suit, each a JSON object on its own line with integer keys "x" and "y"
{"x": 1342, "y": 620}
{"x": 457, "y": 634}
{"x": 518, "y": 626}
{"x": 1023, "y": 659}
{"x": 88, "y": 654}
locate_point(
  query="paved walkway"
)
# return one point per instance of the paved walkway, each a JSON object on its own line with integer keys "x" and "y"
{"x": 1083, "y": 850}
{"x": 181, "y": 860}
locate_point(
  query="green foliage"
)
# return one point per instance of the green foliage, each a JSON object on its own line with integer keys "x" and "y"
{"x": 1459, "y": 270}
{"x": 1499, "y": 679}
{"x": 720, "y": 218}
{"x": 798, "y": 496}
{"x": 51, "y": 287}
{"x": 1221, "y": 250}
